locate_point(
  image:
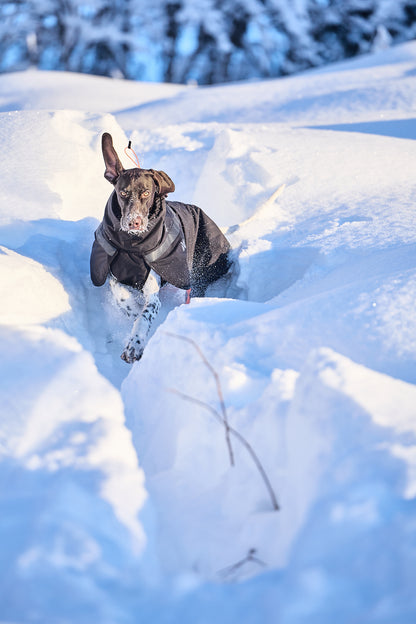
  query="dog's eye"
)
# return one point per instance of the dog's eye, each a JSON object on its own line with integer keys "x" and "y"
{"x": 145, "y": 193}
{"x": 123, "y": 193}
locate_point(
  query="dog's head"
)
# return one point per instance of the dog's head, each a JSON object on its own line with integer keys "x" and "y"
{"x": 136, "y": 188}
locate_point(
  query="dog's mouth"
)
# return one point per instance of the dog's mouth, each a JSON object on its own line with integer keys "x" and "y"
{"x": 136, "y": 231}
{"x": 135, "y": 226}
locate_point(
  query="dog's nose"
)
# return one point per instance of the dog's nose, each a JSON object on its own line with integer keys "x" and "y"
{"x": 136, "y": 223}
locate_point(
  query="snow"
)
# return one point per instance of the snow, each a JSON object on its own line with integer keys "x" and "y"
{"x": 122, "y": 497}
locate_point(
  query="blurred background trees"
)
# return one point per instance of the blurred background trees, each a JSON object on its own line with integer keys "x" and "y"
{"x": 203, "y": 41}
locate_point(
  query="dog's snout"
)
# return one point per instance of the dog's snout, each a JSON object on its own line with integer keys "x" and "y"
{"x": 136, "y": 222}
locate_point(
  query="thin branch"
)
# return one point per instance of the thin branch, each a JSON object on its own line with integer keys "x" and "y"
{"x": 224, "y": 418}
{"x": 236, "y": 566}
{"x": 239, "y": 437}
{"x": 187, "y": 397}
{"x": 219, "y": 389}
{"x": 256, "y": 460}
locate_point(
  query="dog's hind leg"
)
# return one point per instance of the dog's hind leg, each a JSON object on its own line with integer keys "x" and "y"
{"x": 141, "y": 327}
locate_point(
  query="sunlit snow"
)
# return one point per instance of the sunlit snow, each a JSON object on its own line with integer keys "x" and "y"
{"x": 119, "y": 502}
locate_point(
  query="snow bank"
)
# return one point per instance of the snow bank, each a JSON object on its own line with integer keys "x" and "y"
{"x": 301, "y": 426}
{"x": 50, "y": 156}
{"x": 71, "y": 487}
{"x": 23, "y": 280}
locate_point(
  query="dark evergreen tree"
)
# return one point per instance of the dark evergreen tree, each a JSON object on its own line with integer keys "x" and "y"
{"x": 206, "y": 41}
{"x": 344, "y": 29}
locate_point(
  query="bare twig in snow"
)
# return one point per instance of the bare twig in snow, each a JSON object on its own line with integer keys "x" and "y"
{"x": 222, "y": 418}
{"x": 219, "y": 389}
{"x": 250, "y": 557}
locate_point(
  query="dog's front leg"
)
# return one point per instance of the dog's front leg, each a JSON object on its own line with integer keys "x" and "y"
{"x": 141, "y": 327}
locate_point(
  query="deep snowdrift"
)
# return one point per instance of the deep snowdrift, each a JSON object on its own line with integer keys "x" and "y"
{"x": 118, "y": 498}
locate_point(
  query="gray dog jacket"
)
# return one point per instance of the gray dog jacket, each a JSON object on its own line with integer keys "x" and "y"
{"x": 182, "y": 245}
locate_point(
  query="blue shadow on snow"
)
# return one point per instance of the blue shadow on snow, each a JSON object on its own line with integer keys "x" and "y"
{"x": 396, "y": 128}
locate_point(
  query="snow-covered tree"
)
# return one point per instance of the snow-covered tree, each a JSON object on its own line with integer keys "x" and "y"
{"x": 196, "y": 40}
{"x": 17, "y": 25}
{"x": 343, "y": 29}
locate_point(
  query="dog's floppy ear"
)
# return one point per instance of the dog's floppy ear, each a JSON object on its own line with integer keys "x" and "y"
{"x": 113, "y": 166}
{"x": 163, "y": 181}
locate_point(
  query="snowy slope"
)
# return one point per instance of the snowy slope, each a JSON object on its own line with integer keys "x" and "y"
{"x": 118, "y": 498}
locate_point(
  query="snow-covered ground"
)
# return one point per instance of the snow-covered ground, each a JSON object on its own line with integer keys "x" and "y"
{"x": 118, "y": 500}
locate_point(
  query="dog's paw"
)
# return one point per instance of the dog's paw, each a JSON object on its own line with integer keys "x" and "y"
{"x": 133, "y": 352}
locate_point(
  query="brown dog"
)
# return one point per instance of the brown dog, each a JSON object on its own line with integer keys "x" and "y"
{"x": 145, "y": 240}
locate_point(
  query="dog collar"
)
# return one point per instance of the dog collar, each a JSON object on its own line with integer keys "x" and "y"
{"x": 173, "y": 233}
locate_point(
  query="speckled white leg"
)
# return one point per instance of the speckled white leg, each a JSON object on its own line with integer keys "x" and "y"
{"x": 142, "y": 305}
